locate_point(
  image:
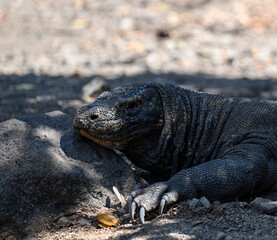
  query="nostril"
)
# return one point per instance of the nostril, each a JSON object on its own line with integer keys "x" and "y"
{"x": 94, "y": 116}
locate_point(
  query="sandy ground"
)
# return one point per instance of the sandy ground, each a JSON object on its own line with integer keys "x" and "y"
{"x": 49, "y": 50}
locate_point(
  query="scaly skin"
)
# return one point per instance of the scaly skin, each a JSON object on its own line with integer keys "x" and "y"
{"x": 201, "y": 144}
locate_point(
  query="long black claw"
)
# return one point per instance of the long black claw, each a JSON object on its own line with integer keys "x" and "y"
{"x": 141, "y": 214}
{"x": 133, "y": 209}
{"x": 162, "y": 204}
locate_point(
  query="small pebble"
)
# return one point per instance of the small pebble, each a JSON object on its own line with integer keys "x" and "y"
{"x": 220, "y": 236}
{"x": 63, "y": 221}
{"x": 84, "y": 222}
{"x": 266, "y": 205}
{"x": 193, "y": 202}
{"x": 94, "y": 88}
{"x": 205, "y": 202}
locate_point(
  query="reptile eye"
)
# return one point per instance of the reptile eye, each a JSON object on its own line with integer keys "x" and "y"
{"x": 132, "y": 105}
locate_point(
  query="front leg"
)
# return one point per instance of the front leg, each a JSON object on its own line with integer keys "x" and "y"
{"x": 233, "y": 176}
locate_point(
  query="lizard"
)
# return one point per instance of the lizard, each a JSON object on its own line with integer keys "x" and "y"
{"x": 200, "y": 144}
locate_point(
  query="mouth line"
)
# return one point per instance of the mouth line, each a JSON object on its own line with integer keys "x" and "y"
{"x": 78, "y": 122}
{"x": 120, "y": 135}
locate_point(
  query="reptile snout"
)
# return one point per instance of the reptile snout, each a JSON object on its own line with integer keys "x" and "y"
{"x": 96, "y": 114}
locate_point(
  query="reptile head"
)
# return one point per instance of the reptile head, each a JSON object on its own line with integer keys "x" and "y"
{"x": 118, "y": 117}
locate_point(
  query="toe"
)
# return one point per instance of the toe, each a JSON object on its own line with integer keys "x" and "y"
{"x": 168, "y": 198}
{"x": 162, "y": 205}
{"x": 129, "y": 203}
{"x": 141, "y": 214}
{"x": 133, "y": 209}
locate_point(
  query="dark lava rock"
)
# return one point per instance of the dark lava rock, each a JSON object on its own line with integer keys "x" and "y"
{"x": 46, "y": 168}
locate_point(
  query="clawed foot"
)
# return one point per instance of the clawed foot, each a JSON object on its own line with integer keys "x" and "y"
{"x": 147, "y": 199}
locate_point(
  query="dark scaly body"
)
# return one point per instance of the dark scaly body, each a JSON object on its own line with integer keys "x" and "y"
{"x": 206, "y": 145}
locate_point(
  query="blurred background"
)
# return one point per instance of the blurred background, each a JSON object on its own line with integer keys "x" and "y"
{"x": 60, "y": 54}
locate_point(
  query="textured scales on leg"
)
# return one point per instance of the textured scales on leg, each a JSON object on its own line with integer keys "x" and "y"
{"x": 201, "y": 144}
